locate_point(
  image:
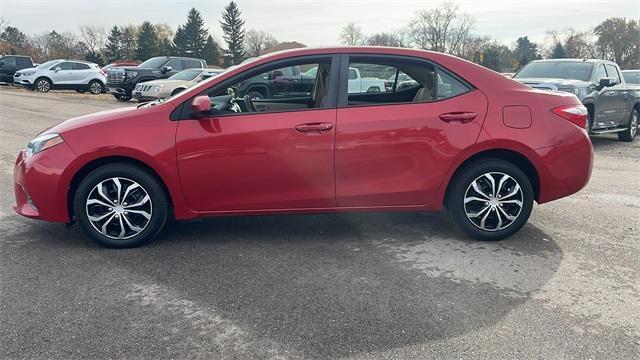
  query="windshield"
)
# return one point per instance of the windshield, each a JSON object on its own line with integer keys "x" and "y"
{"x": 48, "y": 64}
{"x": 186, "y": 75}
{"x": 556, "y": 70}
{"x": 153, "y": 63}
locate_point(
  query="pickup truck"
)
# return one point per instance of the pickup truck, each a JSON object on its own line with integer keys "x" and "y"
{"x": 357, "y": 84}
{"x": 613, "y": 105}
{"x": 122, "y": 80}
{"x": 9, "y": 64}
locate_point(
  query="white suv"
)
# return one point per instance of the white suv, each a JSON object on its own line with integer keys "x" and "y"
{"x": 63, "y": 74}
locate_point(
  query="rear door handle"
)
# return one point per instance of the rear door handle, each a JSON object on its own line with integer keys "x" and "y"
{"x": 462, "y": 116}
{"x": 319, "y": 128}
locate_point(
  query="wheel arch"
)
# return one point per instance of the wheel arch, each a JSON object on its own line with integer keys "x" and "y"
{"x": 514, "y": 157}
{"x": 83, "y": 171}
{"x": 43, "y": 77}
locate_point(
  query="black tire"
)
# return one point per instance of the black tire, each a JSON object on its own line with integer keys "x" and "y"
{"x": 632, "y": 129}
{"x": 373, "y": 89}
{"x": 122, "y": 98}
{"x": 95, "y": 87}
{"x": 157, "y": 207}
{"x": 176, "y": 91}
{"x": 589, "y": 123}
{"x": 461, "y": 185}
{"x": 42, "y": 85}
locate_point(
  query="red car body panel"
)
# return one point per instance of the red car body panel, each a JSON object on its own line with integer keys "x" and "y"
{"x": 379, "y": 157}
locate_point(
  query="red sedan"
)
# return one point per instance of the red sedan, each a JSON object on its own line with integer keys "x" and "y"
{"x": 457, "y": 136}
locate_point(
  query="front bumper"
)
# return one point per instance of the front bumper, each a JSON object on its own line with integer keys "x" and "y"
{"x": 40, "y": 185}
{"x": 121, "y": 88}
{"x": 24, "y": 80}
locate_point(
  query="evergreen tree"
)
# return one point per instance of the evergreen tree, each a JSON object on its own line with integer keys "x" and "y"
{"x": 16, "y": 38}
{"x": 211, "y": 53}
{"x": 94, "y": 57}
{"x": 558, "y": 52}
{"x": 525, "y": 51}
{"x": 148, "y": 42}
{"x": 232, "y": 26}
{"x": 113, "y": 50}
{"x": 129, "y": 44}
{"x": 190, "y": 38}
{"x": 166, "y": 47}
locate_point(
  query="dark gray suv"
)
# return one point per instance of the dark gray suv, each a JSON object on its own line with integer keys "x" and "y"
{"x": 613, "y": 105}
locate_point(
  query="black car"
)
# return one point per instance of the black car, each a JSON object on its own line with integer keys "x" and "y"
{"x": 288, "y": 80}
{"x": 9, "y": 64}
{"x": 122, "y": 80}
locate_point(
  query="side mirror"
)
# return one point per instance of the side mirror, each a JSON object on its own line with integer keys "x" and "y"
{"x": 276, "y": 73}
{"x": 166, "y": 69}
{"x": 57, "y": 68}
{"x": 606, "y": 82}
{"x": 201, "y": 105}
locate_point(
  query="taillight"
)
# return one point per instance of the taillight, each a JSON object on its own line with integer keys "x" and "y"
{"x": 577, "y": 114}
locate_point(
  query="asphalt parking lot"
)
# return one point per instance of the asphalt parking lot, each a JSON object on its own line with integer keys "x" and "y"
{"x": 361, "y": 286}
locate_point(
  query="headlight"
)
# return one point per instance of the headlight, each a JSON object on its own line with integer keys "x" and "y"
{"x": 27, "y": 73}
{"x": 158, "y": 88}
{"x": 43, "y": 142}
{"x": 131, "y": 74}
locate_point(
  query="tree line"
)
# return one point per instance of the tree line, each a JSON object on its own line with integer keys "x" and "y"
{"x": 140, "y": 42}
{"x": 446, "y": 29}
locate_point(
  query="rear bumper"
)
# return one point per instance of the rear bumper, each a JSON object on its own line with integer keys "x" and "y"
{"x": 564, "y": 169}
{"x": 39, "y": 186}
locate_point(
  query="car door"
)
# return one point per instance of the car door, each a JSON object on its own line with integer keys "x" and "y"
{"x": 279, "y": 156}
{"x": 394, "y": 147}
{"x": 8, "y": 67}
{"x": 81, "y": 73}
{"x": 176, "y": 67}
{"x": 617, "y": 97}
{"x": 62, "y": 73}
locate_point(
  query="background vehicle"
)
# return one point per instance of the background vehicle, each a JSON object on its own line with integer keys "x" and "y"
{"x": 369, "y": 84}
{"x": 9, "y": 64}
{"x": 119, "y": 64}
{"x": 613, "y": 106}
{"x": 281, "y": 82}
{"x": 631, "y": 77}
{"x": 486, "y": 147}
{"x": 160, "y": 89}
{"x": 62, "y": 75}
{"x": 122, "y": 80}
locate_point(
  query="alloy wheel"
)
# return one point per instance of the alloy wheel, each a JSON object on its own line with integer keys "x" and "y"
{"x": 119, "y": 208}
{"x": 43, "y": 85}
{"x": 493, "y": 201}
{"x": 95, "y": 88}
{"x": 634, "y": 124}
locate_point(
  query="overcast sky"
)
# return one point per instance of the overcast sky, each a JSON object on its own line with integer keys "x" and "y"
{"x": 317, "y": 22}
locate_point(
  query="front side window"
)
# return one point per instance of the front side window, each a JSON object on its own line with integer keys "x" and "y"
{"x": 176, "y": 65}
{"x": 186, "y": 75}
{"x": 600, "y": 73}
{"x": 391, "y": 80}
{"x": 191, "y": 64}
{"x": 632, "y": 77}
{"x": 64, "y": 66}
{"x": 613, "y": 72}
{"x": 285, "y": 88}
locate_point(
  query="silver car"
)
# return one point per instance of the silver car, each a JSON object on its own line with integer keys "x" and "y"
{"x": 163, "y": 88}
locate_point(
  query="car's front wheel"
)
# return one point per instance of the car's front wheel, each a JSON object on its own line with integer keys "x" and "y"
{"x": 121, "y": 205}
{"x": 490, "y": 199}
{"x": 632, "y": 129}
{"x": 42, "y": 85}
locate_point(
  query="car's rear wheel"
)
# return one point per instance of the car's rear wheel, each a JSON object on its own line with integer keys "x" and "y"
{"x": 42, "y": 85}
{"x": 632, "y": 129}
{"x": 95, "y": 87}
{"x": 121, "y": 205}
{"x": 490, "y": 199}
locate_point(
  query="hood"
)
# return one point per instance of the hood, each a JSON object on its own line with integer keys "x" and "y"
{"x": 27, "y": 70}
{"x": 93, "y": 119}
{"x": 554, "y": 81}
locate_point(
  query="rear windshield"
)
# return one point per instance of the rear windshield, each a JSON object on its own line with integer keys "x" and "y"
{"x": 556, "y": 70}
{"x": 186, "y": 75}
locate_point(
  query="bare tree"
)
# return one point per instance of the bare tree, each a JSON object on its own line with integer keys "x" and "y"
{"x": 619, "y": 40}
{"x": 94, "y": 37}
{"x": 351, "y": 35}
{"x": 385, "y": 39}
{"x": 256, "y": 42}
{"x": 444, "y": 29}
{"x": 577, "y": 44}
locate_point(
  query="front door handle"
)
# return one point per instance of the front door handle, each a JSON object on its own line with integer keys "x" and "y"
{"x": 317, "y": 127}
{"x": 461, "y": 116}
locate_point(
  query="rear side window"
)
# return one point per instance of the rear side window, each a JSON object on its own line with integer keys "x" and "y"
{"x": 387, "y": 80}
{"x": 191, "y": 64}
{"x": 613, "y": 72}
{"x": 24, "y": 62}
{"x": 80, "y": 66}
